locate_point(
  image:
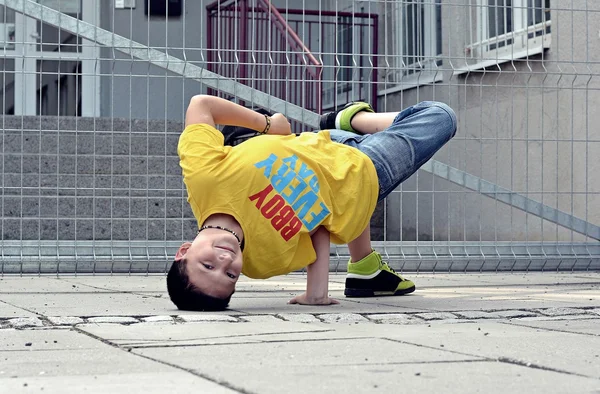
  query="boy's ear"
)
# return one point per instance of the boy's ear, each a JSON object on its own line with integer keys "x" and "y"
{"x": 182, "y": 251}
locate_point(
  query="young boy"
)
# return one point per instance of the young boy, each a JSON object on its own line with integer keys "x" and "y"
{"x": 272, "y": 204}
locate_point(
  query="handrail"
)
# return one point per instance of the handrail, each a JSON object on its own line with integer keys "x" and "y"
{"x": 285, "y": 28}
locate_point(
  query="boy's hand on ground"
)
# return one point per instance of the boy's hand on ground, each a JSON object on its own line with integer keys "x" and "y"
{"x": 280, "y": 125}
{"x": 303, "y": 299}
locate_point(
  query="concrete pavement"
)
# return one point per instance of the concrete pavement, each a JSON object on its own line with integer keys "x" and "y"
{"x": 458, "y": 333}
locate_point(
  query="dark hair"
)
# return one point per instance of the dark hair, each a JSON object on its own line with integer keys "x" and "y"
{"x": 188, "y": 297}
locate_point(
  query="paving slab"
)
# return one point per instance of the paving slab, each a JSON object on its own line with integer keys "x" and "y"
{"x": 113, "y": 319}
{"x": 535, "y": 279}
{"x": 569, "y": 297}
{"x": 66, "y": 353}
{"x": 45, "y": 340}
{"x": 43, "y": 284}
{"x": 561, "y": 311}
{"x": 569, "y": 352}
{"x": 291, "y": 284}
{"x": 428, "y": 280}
{"x": 363, "y": 365}
{"x": 64, "y": 320}
{"x": 157, "y": 283}
{"x": 197, "y": 334}
{"x": 587, "y": 316}
{"x": 436, "y": 316}
{"x": 341, "y": 318}
{"x": 299, "y": 317}
{"x": 265, "y": 319}
{"x": 71, "y": 362}
{"x": 276, "y": 303}
{"x": 25, "y": 322}
{"x": 477, "y": 315}
{"x": 591, "y": 327}
{"x": 374, "y": 377}
{"x": 208, "y": 317}
{"x": 297, "y": 282}
{"x": 489, "y": 299}
{"x": 515, "y": 313}
{"x": 317, "y": 353}
{"x": 7, "y": 311}
{"x": 114, "y": 383}
{"x": 394, "y": 318}
{"x": 98, "y": 304}
{"x": 120, "y": 283}
{"x": 498, "y": 333}
{"x": 157, "y": 319}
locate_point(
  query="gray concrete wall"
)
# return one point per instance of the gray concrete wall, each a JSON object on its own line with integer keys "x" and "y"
{"x": 84, "y": 179}
{"x": 76, "y": 179}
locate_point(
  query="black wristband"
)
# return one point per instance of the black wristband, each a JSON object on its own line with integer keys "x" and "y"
{"x": 267, "y": 127}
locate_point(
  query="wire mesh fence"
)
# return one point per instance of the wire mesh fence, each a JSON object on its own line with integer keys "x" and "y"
{"x": 94, "y": 94}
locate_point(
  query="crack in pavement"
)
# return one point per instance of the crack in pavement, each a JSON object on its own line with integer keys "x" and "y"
{"x": 39, "y": 315}
{"x": 513, "y": 361}
{"x": 420, "y": 317}
{"x": 552, "y": 329}
{"x": 246, "y": 343}
{"x": 198, "y": 374}
{"x": 190, "y": 371}
{"x": 503, "y": 359}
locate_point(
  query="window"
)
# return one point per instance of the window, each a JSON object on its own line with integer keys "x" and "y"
{"x": 510, "y": 29}
{"x": 7, "y": 28}
{"x": 417, "y": 43}
{"x": 349, "y": 48}
{"x": 345, "y": 48}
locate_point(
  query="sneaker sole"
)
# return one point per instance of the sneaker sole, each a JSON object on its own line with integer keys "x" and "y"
{"x": 348, "y": 292}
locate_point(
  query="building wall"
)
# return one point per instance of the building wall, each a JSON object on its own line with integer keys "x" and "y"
{"x": 134, "y": 89}
{"x": 526, "y": 125}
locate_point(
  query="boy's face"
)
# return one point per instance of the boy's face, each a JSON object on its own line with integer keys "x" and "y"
{"x": 214, "y": 262}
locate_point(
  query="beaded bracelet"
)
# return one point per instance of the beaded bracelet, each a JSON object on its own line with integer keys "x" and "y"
{"x": 267, "y": 127}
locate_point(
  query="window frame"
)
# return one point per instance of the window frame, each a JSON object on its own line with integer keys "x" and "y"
{"x": 348, "y": 59}
{"x": 527, "y": 40}
{"x": 407, "y": 76}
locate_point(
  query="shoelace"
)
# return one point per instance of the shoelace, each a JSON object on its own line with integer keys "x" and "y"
{"x": 383, "y": 263}
{"x": 388, "y": 266}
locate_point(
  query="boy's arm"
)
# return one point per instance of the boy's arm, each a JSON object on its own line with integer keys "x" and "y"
{"x": 317, "y": 281}
{"x": 214, "y": 110}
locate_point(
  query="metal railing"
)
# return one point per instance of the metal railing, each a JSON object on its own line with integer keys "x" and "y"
{"x": 256, "y": 36}
{"x": 492, "y": 220}
{"x": 282, "y": 52}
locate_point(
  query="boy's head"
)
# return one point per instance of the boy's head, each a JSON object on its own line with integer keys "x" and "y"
{"x": 205, "y": 271}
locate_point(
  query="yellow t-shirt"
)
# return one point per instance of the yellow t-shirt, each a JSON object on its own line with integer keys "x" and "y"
{"x": 279, "y": 188}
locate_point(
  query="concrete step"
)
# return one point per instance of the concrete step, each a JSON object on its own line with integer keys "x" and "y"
{"x": 68, "y": 178}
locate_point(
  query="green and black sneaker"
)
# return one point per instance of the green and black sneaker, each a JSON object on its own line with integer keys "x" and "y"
{"x": 341, "y": 118}
{"x": 372, "y": 277}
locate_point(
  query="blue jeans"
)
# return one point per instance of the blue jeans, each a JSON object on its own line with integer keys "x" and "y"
{"x": 412, "y": 139}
